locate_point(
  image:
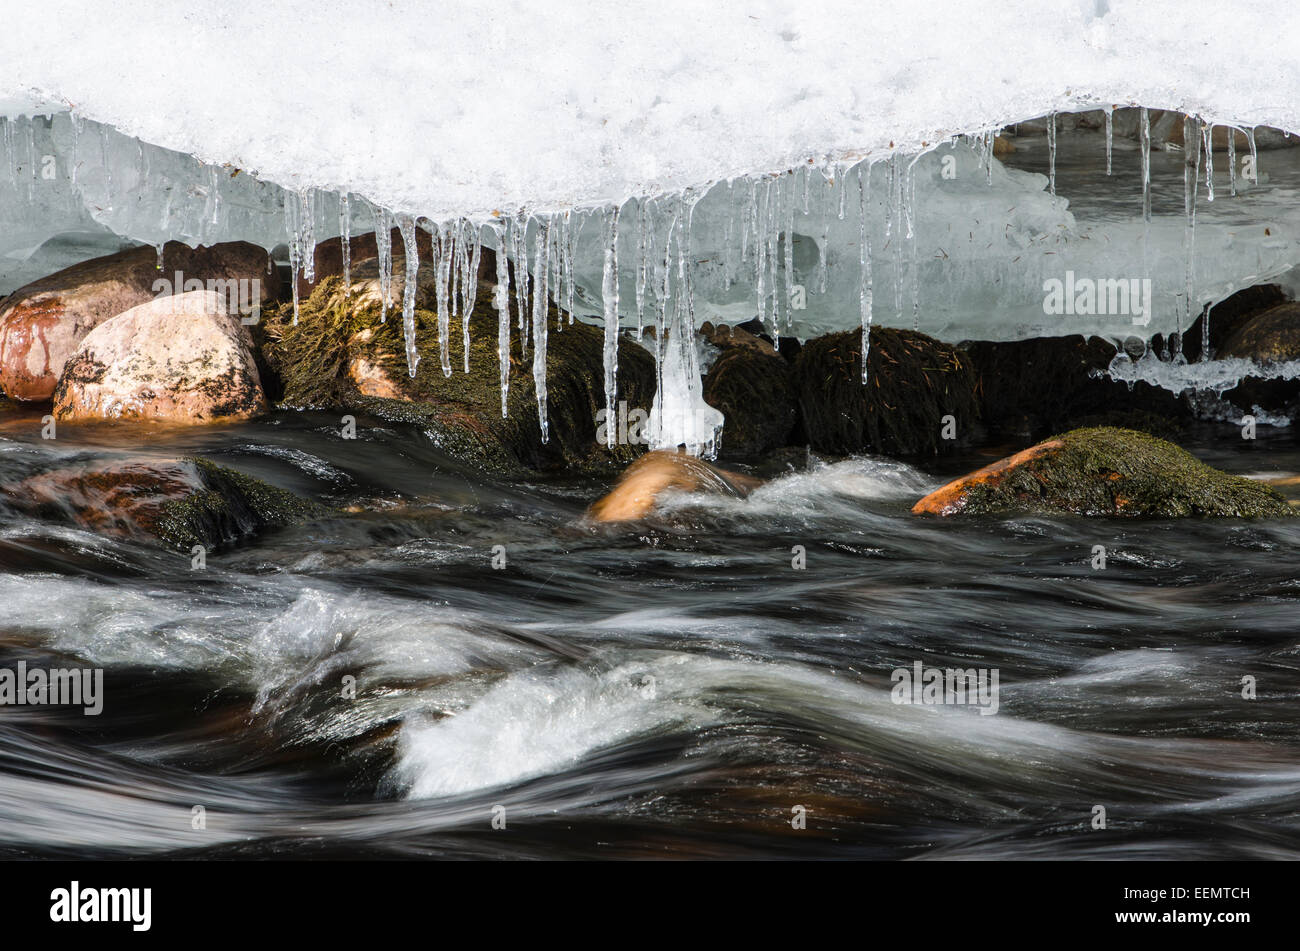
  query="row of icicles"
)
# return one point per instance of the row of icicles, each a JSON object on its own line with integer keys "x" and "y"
{"x": 762, "y": 251}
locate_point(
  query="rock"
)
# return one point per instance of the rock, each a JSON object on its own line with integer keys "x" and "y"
{"x": 43, "y": 323}
{"x": 342, "y": 356}
{"x": 180, "y": 502}
{"x": 914, "y": 381}
{"x": 1269, "y": 337}
{"x": 1002, "y": 145}
{"x": 754, "y": 390}
{"x": 180, "y": 359}
{"x": 1031, "y": 388}
{"x": 726, "y": 338}
{"x": 640, "y": 487}
{"x": 1104, "y": 471}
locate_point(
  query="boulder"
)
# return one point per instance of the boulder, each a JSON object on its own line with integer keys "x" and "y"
{"x": 43, "y": 323}
{"x": 179, "y": 502}
{"x": 181, "y": 359}
{"x": 1272, "y": 336}
{"x": 644, "y": 482}
{"x": 753, "y": 388}
{"x": 913, "y": 382}
{"x": 1104, "y": 471}
{"x": 1031, "y": 388}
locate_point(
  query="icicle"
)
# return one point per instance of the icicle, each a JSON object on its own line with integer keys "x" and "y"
{"x": 214, "y": 182}
{"x": 522, "y": 278}
{"x": 988, "y": 178}
{"x": 760, "y": 249}
{"x": 1232, "y": 161}
{"x": 307, "y": 225}
{"x": 407, "y": 225}
{"x": 502, "y": 297}
{"x": 1191, "y": 179}
{"x": 384, "y": 245}
{"x": 345, "y": 231}
{"x": 807, "y": 181}
{"x": 911, "y": 239}
{"x": 842, "y": 175}
{"x": 475, "y": 259}
{"x": 1051, "y": 153}
{"x": 1254, "y": 156}
{"x": 541, "y": 270}
{"x": 825, "y": 238}
{"x": 609, "y": 292}
{"x": 1205, "y": 327}
{"x": 571, "y": 239}
{"x": 292, "y": 212}
{"x": 159, "y": 248}
{"x": 642, "y": 260}
{"x": 864, "y": 262}
{"x": 442, "y": 250}
{"x": 1144, "y": 133}
{"x": 1110, "y": 124}
{"x": 769, "y": 253}
{"x": 1207, "y": 146}
{"x": 788, "y": 262}
{"x": 896, "y": 196}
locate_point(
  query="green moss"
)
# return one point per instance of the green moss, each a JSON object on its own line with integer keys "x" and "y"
{"x": 461, "y": 411}
{"x": 1108, "y": 471}
{"x": 913, "y": 382}
{"x": 230, "y": 505}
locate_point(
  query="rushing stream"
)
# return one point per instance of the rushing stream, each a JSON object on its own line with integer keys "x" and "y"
{"x": 673, "y": 688}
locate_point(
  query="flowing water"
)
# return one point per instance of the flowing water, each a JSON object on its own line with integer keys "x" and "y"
{"x": 671, "y": 688}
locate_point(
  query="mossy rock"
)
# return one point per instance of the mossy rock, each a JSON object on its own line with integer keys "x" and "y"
{"x": 1105, "y": 471}
{"x": 228, "y": 506}
{"x": 317, "y": 362}
{"x": 913, "y": 382}
{"x": 755, "y": 393}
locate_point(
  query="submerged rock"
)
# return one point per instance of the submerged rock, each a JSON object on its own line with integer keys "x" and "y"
{"x": 640, "y": 487}
{"x": 43, "y": 323}
{"x": 1105, "y": 471}
{"x": 343, "y": 356}
{"x": 179, "y": 359}
{"x": 180, "y": 502}
{"x": 914, "y": 381}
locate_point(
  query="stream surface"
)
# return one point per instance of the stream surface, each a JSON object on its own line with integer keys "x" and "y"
{"x": 674, "y": 688}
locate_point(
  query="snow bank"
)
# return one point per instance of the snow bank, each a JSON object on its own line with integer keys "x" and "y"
{"x": 452, "y": 109}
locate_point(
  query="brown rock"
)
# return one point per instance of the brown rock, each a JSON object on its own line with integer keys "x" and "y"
{"x": 644, "y": 481}
{"x": 724, "y": 338}
{"x": 952, "y": 498}
{"x": 181, "y": 358}
{"x": 42, "y": 324}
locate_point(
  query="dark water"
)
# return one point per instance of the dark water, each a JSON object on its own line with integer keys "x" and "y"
{"x": 674, "y": 688}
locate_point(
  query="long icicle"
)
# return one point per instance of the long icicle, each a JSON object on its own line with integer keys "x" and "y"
{"x": 1051, "y": 153}
{"x": 384, "y": 245}
{"x": 407, "y": 226}
{"x": 864, "y": 262}
{"x": 442, "y": 250}
{"x": 502, "y": 298}
{"x": 609, "y": 293}
{"x": 541, "y": 272}
{"x": 345, "y": 241}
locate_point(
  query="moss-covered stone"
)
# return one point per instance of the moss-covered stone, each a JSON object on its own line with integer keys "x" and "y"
{"x": 913, "y": 382}
{"x": 228, "y": 505}
{"x": 1105, "y": 471}
{"x": 341, "y": 355}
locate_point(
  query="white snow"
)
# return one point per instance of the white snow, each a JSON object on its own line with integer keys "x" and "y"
{"x": 451, "y": 109}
